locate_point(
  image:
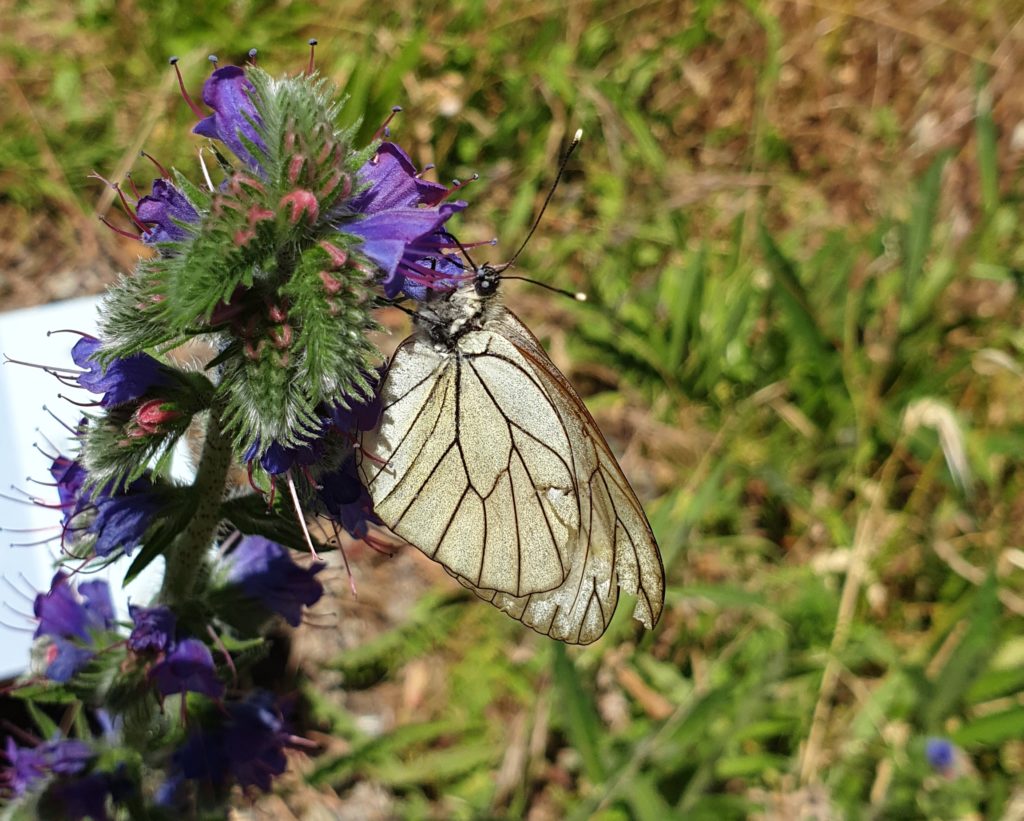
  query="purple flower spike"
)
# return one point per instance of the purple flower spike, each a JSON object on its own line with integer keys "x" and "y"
{"x": 227, "y": 91}
{"x": 264, "y": 571}
{"x": 187, "y": 668}
{"x": 169, "y": 211}
{"x": 346, "y": 500}
{"x": 124, "y": 380}
{"x": 154, "y": 629}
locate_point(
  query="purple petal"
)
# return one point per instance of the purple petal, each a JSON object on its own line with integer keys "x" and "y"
{"x": 59, "y": 611}
{"x": 189, "y": 667}
{"x": 66, "y": 660}
{"x": 169, "y": 210}
{"x": 266, "y": 573}
{"x": 154, "y": 628}
{"x": 124, "y": 380}
{"x": 227, "y": 92}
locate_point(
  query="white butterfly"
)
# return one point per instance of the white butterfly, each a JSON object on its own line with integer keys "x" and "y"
{"x": 486, "y": 459}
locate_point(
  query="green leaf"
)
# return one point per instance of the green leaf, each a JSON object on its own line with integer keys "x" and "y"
{"x": 579, "y": 714}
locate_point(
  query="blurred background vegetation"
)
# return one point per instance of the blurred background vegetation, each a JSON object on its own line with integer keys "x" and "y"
{"x": 799, "y": 226}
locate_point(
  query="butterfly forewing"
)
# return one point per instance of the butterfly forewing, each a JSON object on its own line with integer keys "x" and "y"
{"x": 487, "y": 460}
{"x": 493, "y": 500}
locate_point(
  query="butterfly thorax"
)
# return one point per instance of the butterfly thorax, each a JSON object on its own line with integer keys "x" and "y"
{"x": 447, "y": 317}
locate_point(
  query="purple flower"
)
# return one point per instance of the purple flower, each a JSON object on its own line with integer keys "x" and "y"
{"x": 227, "y": 91}
{"x": 25, "y": 766}
{"x": 154, "y": 629}
{"x": 66, "y": 617}
{"x": 119, "y": 520}
{"x": 264, "y": 571}
{"x": 86, "y": 796}
{"x": 122, "y": 519}
{"x": 69, "y": 476}
{"x": 394, "y": 183}
{"x": 63, "y": 613}
{"x": 941, "y": 754}
{"x": 64, "y": 658}
{"x": 403, "y": 218}
{"x": 187, "y": 668}
{"x": 346, "y": 501}
{"x": 358, "y": 413}
{"x": 124, "y": 380}
{"x": 249, "y": 746}
{"x": 28, "y": 765}
{"x": 278, "y": 458}
{"x": 169, "y": 211}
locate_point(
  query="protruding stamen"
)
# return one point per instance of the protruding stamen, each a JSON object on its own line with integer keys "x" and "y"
{"x": 458, "y": 185}
{"x": 184, "y": 92}
{"x": 298, "y": 512}
{"x": 252, "y": 56}
{"x": 128, "y": 210}
{"x": 344, "y": 558}
{"x": 213, "y": 58}
{"x": 428, "y": 167}
{"x": 159, "y": 167}
{"x": 135, "y": 189}
{"x": 117, "y": 230}
{"x": 312, "y": 54}
{"x": 61, "y": 422}
{"x": 383, "y": 129}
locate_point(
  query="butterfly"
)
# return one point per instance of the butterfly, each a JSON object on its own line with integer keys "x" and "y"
{"x": 486, "y": 459}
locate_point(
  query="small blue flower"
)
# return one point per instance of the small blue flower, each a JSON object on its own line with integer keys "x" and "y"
{"x": 264, "y": 571}
{"x": 188, "y": 667}
{"x": 124, "y": 380}
{"x": 168, "y": 210}
{"x": 941, "y": 754}
{"x": 154, "y": 629}
{"x": 227, "y": 91}
{"x": 346, "y": 501}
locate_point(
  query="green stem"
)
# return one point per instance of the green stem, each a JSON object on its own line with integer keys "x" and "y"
{"x": 186, "y": 558}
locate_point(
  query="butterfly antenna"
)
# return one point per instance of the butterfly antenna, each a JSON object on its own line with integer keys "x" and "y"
{"x": 579, "y": 296}
{"x": 551, "y": 192}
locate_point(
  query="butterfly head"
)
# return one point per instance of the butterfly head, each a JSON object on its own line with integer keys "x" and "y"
{"x": 486, "y": 281}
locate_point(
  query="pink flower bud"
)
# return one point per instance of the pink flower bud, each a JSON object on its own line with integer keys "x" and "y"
{"x": 301, "y": 203}
{"x": 152, "y": 415}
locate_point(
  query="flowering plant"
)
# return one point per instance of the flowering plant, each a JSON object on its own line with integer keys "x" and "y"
{"x": 278, "y": 261}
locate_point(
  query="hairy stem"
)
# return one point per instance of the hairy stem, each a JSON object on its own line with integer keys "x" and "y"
{"x": 186, "y": 558}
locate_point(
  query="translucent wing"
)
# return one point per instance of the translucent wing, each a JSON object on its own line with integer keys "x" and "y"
{"x": 471, "y": 464}
{"x": 487, "y": 461}
{"x": 615, "y": 547}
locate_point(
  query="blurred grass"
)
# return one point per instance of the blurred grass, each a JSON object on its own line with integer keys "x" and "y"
{"x": 799, "y": 225}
